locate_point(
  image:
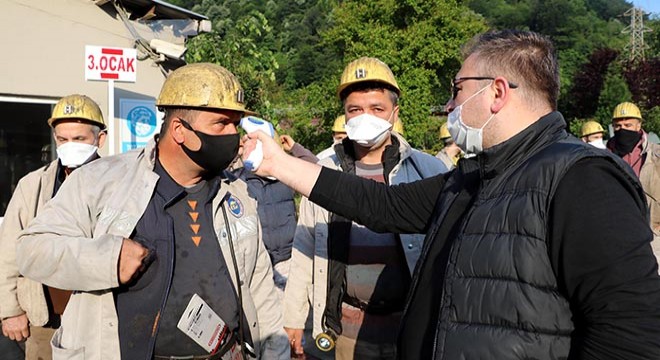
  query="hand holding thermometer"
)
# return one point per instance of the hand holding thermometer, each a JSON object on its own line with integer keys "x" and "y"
{"x": 251, "y": 124}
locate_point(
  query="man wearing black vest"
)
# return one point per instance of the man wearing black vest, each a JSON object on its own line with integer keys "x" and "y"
{"x": 524, "y": 257}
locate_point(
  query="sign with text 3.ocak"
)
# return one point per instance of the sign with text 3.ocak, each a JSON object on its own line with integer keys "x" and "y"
{"x": 106, "y": 63}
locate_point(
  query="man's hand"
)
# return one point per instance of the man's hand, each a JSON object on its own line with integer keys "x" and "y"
{"x": 287, "y": 142}
{"x": 130, "y": 260}
{"x": 271, "y": 152}
{"x": 16, "y": 328}
{"x": 295, "y": 341}
{"x": 297, "y": 174}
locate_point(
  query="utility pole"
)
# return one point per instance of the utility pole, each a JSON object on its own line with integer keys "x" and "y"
{"x": 636, "y": 29}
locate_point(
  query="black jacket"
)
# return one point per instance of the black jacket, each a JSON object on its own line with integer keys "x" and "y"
{"x": 277, "y": 213}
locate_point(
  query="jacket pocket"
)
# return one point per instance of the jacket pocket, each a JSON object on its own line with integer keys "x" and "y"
{"x": 60, "y": 353}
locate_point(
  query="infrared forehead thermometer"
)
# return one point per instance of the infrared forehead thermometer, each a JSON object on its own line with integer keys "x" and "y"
{"x": 252, "y": 124}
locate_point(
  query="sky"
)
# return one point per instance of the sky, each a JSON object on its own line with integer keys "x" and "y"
{"x": 649, "y": 6}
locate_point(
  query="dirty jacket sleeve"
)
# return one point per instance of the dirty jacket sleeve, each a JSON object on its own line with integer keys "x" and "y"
{"x": 15, "y": 220}
{"x": 63, "y": 251}
{"x": 274, "y": 342}
{"x": 296, "y": 294}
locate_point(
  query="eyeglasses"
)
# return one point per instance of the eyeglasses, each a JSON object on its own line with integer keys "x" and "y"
{"x": 456, "y": 81}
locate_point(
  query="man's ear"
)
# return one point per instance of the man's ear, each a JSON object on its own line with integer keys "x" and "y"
{"x": 395, "y": 116}
{"x": 103, "y": 134}
{"x": 176, "y": 131}
{"x": 502, "y": 94}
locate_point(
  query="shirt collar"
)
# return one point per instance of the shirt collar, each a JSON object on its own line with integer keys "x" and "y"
{"x": 171, "y": 191}
{"x": 548, "y": 129}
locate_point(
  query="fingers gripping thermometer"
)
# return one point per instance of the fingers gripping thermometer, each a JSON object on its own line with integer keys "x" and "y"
{"x": 251, "y": 124}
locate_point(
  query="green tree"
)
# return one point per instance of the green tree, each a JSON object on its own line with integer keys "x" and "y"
{"x": 577, "y": 27}
{"x": 236, "y": 45}
{"x": 588, "y": 83}
{"x": 615, "y": 90}
{"x": 419, "y": 39}
{"x": 652, "y": 39}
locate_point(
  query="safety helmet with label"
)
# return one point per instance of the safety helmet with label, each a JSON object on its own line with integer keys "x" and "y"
{"x": 367, "y": 69}
{"x": 398, "y": 127}
{"x": 444, "y": 132}
{"x": 203, "y": 85}
{"x": 626, "y": 110}
{"x": 591, "y": 127}
{"x": 339, "y": 124}
{"x": 79, "y": 107}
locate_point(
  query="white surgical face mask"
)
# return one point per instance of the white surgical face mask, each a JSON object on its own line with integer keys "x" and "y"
{"x": 599, "y": 143}
{"x": 469, "y": 139}
{"x": 368, "y": 130}
{"x": 73, "y": 154}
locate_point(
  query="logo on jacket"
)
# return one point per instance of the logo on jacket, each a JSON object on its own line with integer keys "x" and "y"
{"x": 235, "y": 206}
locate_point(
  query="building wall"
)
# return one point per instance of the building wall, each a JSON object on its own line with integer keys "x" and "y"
{"x": 43, "y": 54}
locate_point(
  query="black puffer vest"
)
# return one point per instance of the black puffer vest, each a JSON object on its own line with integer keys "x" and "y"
{"x": 500, "y": 296}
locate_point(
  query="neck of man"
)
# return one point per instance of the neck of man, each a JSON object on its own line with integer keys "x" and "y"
{"x": 178, "y": 165}
{"x": 371, "y": 156}
{"x": 511, "y": 120}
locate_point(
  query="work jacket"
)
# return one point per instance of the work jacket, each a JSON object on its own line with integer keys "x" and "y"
{"x": 649, "y": 176}
{"x": 75, "y": 244}
{"x": 19, "y": 294}
{"x": 308, "y": 283}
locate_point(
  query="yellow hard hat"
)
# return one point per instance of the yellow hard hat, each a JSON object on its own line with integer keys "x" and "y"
{"x": 444, "y": 132}
{"x": 398, "y": 126}
{"x": 340, "y": 124}
{"x": 367, "y": 69}
{"x": 202, "y": 85}
{"x": 626, "y": 110}
{"x": 77, "y": 107}
{"x": 591, "y": 127}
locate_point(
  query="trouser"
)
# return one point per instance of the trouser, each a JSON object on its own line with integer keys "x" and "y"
{"x": 37, "y": 346}
{"x": 10, "y": 349}
{"x": 348, "y": 349}
{"x": 229, "y": 351}
{"x": 233, "y": 354}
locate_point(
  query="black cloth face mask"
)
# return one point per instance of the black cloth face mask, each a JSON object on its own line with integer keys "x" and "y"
{"x": 625, "y": 141}
{"x": 217, "y": 151}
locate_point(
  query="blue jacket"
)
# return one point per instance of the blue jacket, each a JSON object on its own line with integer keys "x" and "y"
{"x": 277, "y": 213}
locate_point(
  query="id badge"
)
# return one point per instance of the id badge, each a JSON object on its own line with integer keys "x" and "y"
{"x": 200, "y": 323}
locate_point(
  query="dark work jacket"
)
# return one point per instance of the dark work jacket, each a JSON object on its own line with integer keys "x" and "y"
{"x": 412, "y": 165}
{"x": 500, "y": 298}
{"x": 139, "y": 303}
{"x": 277, "y": 213}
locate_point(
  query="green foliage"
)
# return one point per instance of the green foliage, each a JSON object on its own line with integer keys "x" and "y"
{"x": 577, "y": 27}
{"x": 419, "y": 39}
{"x": 588, "y": 83}
{"x": 615, "y": 91}
{"x": 652, "y": 120}
{"x": 289, "y": 55}
{"x": 652, "y": 38}
{"x": 238, "y": 46}
{"x": 309, "y": 114}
